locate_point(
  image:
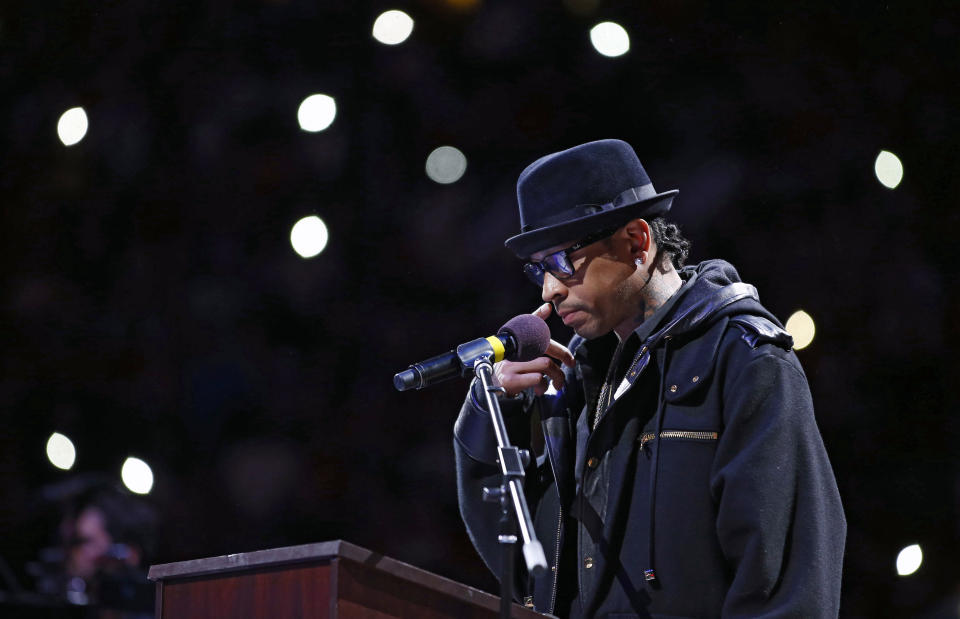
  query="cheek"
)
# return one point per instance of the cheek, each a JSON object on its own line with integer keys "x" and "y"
{"x": 609, "y": 300}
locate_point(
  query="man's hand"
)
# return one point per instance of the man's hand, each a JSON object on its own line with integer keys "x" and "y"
{"x": 515, "y": 376}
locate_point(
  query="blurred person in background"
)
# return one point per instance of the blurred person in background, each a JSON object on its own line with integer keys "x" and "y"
{"x": 107, "y": 538}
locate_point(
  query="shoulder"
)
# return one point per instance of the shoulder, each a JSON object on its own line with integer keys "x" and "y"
{"x": 735, "y": 347}
{"x": 757, "y": 330}
{"x": 759, "y": 342}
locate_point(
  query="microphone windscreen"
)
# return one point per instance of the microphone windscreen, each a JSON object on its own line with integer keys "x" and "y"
{"x": 531, "y": 334}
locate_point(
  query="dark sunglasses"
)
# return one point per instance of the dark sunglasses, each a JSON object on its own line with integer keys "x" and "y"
{"x": 558, "y": 263}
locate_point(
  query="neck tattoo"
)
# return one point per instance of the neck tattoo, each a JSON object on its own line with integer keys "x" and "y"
{"x": 655, "y": 292}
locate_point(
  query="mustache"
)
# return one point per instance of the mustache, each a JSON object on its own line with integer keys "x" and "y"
{"x": 566, "y": 309}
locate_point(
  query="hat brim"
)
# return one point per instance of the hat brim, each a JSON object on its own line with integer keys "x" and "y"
{"x": 527, "y": 243}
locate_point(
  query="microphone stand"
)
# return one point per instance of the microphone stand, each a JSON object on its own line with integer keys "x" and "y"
{"x": 510, "y": 495}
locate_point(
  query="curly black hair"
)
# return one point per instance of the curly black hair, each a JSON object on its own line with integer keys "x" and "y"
{"x": 670, "y": 240}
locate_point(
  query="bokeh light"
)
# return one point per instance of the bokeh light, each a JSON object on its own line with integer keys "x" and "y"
{"x": 137, "y": 475}
{"x": 610, "y": 39}
{"x": 392, "y": 27}
{"x": 61, "y": 452}
{"x": 316, "y": 113}
{"x": 909, "y": 560}
{"x": 72, "y": 126}
{"x": 446, "y": 165}
{"x": 889, "y": 169}
{"x": 800, "y": 326}
{"x": 309, "y": 236}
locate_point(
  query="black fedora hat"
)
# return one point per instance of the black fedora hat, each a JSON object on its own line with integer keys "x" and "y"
{"x": 576, "y": 192}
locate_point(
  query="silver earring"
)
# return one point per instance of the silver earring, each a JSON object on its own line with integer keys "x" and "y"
{"x": 639, "y": 262}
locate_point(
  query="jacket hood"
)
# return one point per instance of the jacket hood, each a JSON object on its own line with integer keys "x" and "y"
{"x": 712, "y": 290}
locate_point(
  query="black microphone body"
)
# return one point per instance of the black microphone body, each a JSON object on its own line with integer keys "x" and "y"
{"x": 450, "y": 364}
{"x": 522, "y": 338}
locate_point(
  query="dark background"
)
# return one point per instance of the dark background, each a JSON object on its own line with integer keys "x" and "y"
{"x": 151, "y": 304}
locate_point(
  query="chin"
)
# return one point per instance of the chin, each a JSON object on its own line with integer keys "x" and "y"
{"x": 588, "y": 332}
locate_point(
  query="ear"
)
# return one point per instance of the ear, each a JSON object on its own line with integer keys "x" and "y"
{"x": 640, "y": 239}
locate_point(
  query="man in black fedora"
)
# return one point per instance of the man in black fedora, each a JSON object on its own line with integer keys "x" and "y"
{"x": 682, "y": 474}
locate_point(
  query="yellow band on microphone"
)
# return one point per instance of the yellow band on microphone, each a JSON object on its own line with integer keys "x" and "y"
{"x": 498, "y": 350}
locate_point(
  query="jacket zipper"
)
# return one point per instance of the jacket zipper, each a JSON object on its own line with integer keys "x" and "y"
{"x": 556, "y": 561}
{"x": 688, "y": 434}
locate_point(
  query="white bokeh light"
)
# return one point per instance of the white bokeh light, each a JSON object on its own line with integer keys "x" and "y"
{"x": 446, "y": 165}
{"x": 392, "y": 27}
{"x": 800, "y": 326}
{"x": 888, "y": 169}
{"x": 610, "y": 39}
{"x": 61, "y": 452}
{"x": 316, "y": 113}
{"x": 309, "y": 236}
{"x": 909, "y": 560}
{"x": 137, "y": 475}
{"x": 72, "y": 126}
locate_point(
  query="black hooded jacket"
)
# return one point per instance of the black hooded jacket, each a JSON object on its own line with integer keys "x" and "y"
{"x": 704, "y": 489}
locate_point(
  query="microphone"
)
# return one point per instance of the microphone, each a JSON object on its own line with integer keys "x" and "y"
{"x": 522, "y": 338}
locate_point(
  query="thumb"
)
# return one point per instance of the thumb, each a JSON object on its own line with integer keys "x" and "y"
{"x": 543, "y": 311}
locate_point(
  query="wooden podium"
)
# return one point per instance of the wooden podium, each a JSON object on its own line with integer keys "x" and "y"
{"x": 334, "y": 580}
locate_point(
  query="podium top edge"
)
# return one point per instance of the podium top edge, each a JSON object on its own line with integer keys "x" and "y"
{"x": 259, "y": 558}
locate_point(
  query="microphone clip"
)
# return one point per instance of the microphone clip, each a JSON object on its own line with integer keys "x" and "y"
{"x": 470, "y": 353}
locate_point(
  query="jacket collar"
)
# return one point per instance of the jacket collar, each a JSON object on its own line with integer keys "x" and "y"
{"x": 690, "y": 319}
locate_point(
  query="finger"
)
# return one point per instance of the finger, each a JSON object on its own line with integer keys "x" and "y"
{"x": 560, "y": 352}
{"x": 517, "y": 376}
{"x": 542, "y": 386}
{"x": 542, "y": 366}
{"x": 555, "y": 375}
{"x": 543, "y": 311}
{"x": 498, "y": 370}
{"x": 526, "y": 381}
{"x": 536, "y": 366}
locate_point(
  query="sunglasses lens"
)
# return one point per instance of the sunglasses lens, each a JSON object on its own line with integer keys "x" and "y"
{"x": 534, "y": 272}
{"x": 558, "y": 265}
